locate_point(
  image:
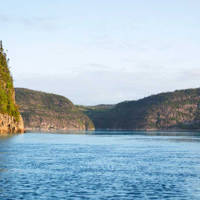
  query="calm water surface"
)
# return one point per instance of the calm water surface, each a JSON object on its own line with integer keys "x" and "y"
{"x": 104, "y": 165}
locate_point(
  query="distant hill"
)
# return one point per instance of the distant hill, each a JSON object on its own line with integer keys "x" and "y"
{"x": 10, "y": 118}
{"x": 179, "y": 109}
{"x": 171, "y": 110}
{"x": 101, "y": 115}
{"x": 44, "y": 111}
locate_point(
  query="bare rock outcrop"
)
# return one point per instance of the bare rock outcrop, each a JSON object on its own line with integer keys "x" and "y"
{"x": 9, "y": 125}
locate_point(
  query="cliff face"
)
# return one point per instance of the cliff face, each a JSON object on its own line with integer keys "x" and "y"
{"x": 179, "y": 109}
{"x": 49, "y": 112}
{"x": 8, "y": 124}
{"x": 10, "y": 118}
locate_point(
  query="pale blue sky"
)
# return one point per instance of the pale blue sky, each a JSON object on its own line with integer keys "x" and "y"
{"x": 102, "y": 51}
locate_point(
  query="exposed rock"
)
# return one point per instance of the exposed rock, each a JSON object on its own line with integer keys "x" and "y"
{"x": 8, "y": 124}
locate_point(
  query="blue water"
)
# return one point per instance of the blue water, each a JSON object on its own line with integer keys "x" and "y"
{"x": 105, "y": 165}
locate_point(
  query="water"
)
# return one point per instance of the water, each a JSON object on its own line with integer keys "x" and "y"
{"x": 104, "y": 165}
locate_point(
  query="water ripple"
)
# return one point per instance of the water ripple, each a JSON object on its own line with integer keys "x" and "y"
{"x": 58, "y": 166}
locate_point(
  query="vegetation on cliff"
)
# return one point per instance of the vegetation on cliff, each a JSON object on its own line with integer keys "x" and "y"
{"x": 179, "y": 109}
{"x": 101, "y": 115}
{"x": 46, "y": 111}
{"x": 7, "y": 102}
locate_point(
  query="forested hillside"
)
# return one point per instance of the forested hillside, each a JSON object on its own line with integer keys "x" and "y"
{"x": 10, "y": 119}
{"x": 179, "y": 109}
{"x": 45, "y": 111}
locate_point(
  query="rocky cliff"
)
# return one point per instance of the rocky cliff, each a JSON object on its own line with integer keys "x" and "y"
{"x": 10, "y": 118}
{"x": 50, "y": 112}
{"x": 8, "y": 124}
{"x": 179, "y": 109}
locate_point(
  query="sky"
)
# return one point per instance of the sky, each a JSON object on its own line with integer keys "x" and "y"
{"x": 102, "y": 51}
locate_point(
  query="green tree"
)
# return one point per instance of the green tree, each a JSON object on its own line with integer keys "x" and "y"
{"x": 7, "y": 103}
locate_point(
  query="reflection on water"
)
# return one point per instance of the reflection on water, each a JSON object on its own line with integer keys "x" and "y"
{"x": 104, "y": 165}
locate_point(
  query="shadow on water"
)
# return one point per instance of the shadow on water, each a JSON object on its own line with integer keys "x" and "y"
{"x": 144, "y": 133}
{"x": 173, "y": 136}
{"x": 6, "y": 137}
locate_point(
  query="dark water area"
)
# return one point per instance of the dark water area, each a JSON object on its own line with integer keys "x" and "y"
{"x": 100, "y": 165}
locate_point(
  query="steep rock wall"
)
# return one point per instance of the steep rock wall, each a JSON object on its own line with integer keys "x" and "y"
{"x": 8, "y": 124}
{"x": 10, "y": 118}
